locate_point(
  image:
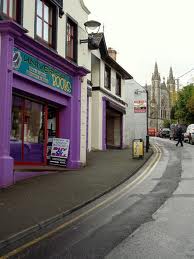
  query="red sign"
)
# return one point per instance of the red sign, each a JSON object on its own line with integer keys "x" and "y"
{"x": 139, "y": 106}
{"x": 152, "y": 131}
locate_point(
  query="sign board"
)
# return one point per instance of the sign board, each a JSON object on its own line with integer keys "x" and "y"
{"x": 59, "y": 151}
{"x": 34, "y": 68}
{"x": 152, "y": 131}
{"x": 140, "y": 106}
{"x": 138, "y": 148}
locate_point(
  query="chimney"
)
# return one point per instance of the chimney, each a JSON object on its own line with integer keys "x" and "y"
{"x": 112, "y": 53}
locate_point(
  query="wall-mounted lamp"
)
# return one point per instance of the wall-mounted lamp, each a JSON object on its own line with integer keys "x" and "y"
{"x": 92, "y": 27}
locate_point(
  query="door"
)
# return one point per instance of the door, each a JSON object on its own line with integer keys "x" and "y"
{"x": 27, "y": 140}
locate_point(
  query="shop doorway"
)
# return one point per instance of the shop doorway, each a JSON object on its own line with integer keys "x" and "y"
{"x": 52, "y": 129}
{"x": 113, "y": 128}
{"x": 33, "y": 124}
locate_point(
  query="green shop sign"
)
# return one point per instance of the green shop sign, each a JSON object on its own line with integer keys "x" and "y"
{"x": 34, "y": 68}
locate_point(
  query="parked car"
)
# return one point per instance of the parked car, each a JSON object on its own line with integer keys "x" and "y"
{"x": 157, "y": 134}
{"x": 165, "y": 133}
{"x": 189, "y": 134}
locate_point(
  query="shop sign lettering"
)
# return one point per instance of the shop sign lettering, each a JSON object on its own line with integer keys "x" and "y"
{"x": 34, "y": 68}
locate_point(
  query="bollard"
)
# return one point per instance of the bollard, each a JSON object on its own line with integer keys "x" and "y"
{"x": 147, "y": 143}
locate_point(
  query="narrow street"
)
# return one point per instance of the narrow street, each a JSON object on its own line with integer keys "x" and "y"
{"x": 149, "y": 216}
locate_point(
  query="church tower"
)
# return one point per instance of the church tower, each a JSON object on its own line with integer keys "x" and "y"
{"x": 156, "y": 85}
{"x": 155, "y": 96}
{"x": 171, "y": 88}
{"x": 159, "y": 99}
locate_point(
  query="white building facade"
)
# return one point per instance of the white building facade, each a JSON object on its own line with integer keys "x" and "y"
{"x": 136, "y": 112}
{"x": 107, "y": 106}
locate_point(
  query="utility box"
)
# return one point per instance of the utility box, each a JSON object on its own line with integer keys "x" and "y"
{"x": 138, "y": 148}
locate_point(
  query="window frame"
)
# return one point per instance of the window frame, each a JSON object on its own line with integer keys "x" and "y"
{"x": 118, "y": 86}
{"x": 52, "y": 24}
{"x": 73, "y": 25}
{"x": 107, "y": 70}
{"x": 18, "y": 11}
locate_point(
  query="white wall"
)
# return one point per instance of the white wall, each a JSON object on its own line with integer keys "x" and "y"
{"x": 135, "y": 123}
{"x": 97, "y": 117}
{"x": 90, "y": 125}
{"x": 97, "y": 109}
{"x": 113, "y": 81}
{"x": 29, "y": 17}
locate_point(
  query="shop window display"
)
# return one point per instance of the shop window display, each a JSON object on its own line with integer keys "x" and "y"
{"x": 27, "y": 133}
{"x": 16, "y": 131}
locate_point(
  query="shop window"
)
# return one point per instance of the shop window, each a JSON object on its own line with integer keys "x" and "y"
{"x": 46, "y": 20}
{"x": 71, "y": 40}
{"x": 33, "y": 127}
{"x": 27, "y": 138}
{"x": 17, "y": 128}
{"x": 11, "y": 9}
{"x": 107, "y": 78}
{"x": 118, "y": 85}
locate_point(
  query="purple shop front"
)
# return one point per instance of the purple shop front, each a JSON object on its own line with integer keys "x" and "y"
{"x": 39, "y": 99}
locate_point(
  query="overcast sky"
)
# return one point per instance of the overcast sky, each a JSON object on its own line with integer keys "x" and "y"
{"x": 145, "y": 31}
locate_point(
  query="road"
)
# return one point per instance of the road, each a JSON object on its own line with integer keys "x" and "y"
{"x": 149, "y": 216}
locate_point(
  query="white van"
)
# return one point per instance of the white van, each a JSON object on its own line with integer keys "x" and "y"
{"x": 189, "y": 134}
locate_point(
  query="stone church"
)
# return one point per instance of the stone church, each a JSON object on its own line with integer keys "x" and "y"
{"x": 161, "y": 98}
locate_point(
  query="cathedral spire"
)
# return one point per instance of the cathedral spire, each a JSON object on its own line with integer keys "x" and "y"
{"x": 171, "y": 79}
{"x": 156, "y": 75}
{"x": 156, "y": 69}
{"x": 170, "y": 73}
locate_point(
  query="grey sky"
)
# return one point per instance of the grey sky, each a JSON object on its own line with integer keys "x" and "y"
{"x": 145, "y": 31}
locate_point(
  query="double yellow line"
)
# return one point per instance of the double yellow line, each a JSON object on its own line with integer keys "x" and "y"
{"x": 107, "y": 202}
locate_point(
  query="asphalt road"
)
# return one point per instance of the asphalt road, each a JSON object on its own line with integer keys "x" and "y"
{"x": 150, "y": 216}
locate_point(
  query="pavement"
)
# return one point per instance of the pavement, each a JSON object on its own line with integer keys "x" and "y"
{"x": 42, "y": 200}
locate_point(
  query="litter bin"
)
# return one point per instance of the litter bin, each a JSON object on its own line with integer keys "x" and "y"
{"x": 138, "y": 148}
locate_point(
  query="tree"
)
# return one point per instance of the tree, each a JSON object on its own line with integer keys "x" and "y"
{"x": 166, "y": 123}
{"x": 190, "y": 104}
{"x": 184, "y": 107}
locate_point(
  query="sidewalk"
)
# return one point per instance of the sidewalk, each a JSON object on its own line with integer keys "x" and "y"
{"x": 35, "y": 200}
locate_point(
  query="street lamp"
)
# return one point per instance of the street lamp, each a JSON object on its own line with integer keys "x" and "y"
{"x": 92, "y": 27}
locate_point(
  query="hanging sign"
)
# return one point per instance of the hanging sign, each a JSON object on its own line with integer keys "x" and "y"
{"x": 34, "y": 68}
{"x": 59, "y": 151}
{"x": 139, "y": 106}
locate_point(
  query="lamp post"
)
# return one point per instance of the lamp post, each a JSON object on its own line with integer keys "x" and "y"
{"x": 147, "y": 110}
{"x": 94, "y": 27}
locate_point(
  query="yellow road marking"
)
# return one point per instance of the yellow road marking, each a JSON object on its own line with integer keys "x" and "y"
{"x": 119, "y": 195}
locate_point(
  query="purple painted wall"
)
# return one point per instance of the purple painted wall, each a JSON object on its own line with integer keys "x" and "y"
{"x": 12, "y": 35}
